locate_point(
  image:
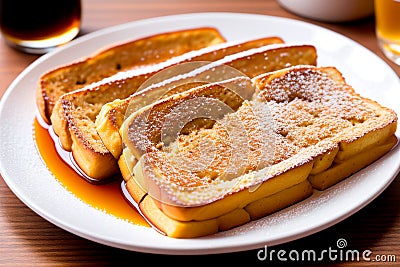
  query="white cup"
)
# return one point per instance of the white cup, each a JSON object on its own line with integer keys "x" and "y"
{"x": 330, "y": 10}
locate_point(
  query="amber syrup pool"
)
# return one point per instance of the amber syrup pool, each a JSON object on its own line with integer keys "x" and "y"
{"x": 105, "y": 197}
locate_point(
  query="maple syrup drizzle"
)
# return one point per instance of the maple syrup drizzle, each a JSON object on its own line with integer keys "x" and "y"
{"x": 106, "y": 197}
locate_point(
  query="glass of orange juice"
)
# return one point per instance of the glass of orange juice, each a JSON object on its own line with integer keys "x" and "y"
{"x": 387, "y": 20}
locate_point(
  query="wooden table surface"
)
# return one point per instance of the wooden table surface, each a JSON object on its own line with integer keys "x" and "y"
{"x": 27, "y": 239}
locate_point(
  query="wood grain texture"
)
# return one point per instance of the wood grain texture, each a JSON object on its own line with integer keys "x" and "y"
{"x": 26, "y": 239}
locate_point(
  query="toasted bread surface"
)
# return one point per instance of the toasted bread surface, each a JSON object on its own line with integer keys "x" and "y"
{"x": 118, "y": 57}
{"x": 149, "y": 121}
{"x": 315, "y": 118}
{"x": 80, "y": 108}
{"x": 250, "y": 62}
{"x": 74, "y": 114}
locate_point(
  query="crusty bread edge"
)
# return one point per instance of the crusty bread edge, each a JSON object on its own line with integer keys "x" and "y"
{"x": 44, "y": 102}
{"x": 110, "y": 119}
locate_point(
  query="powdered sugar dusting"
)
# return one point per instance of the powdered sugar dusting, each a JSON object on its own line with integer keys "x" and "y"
{"x": 303, "y": 113}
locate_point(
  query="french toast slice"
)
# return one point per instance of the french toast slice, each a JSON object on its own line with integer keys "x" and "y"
{"x": 123, "y": 84}
{"x": 214, "y": 100}
{"x": 75, "y": 113}
{"x": 303, "y": 117}
{"x": 251, "y": 63}
{"x": 119, "y": 57}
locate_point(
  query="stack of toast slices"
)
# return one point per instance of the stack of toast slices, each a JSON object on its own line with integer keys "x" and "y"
{"x": 210, "y": 134}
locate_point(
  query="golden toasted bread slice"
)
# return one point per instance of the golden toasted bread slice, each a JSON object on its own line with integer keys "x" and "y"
{"x": 251, "y": 63}
{"x": 211, "y": 101}
{"x": 113, "y": 113}
{"x": 136, "y": 53}
{"x": 290, "y": 132}
{"x": 75, "y": 113}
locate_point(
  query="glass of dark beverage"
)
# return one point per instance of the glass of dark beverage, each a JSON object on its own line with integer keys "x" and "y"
{"x": 38, "y": 27}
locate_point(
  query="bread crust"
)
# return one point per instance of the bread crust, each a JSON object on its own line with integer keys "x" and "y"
{"x": 118, "y": 57}
{"x": 235, "y": 218}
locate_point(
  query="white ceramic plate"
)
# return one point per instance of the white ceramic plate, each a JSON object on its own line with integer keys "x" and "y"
{"x": 26, "y": 175}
